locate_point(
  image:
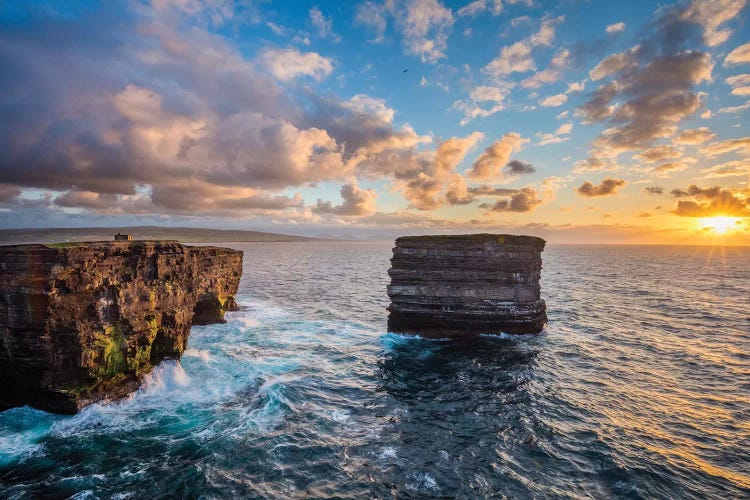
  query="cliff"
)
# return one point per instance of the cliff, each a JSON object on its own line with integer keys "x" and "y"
{"x": 84, "y": 322}
{"x": 455, "y": 286}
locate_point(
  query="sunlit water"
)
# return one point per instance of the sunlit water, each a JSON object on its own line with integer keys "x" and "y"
{"x": 639, "y": 387}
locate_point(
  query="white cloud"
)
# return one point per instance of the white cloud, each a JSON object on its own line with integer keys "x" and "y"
{"x": 516, "y": 58}
{"x": 574, "y": 87}
{"x": 425, "y": 26}
{"x": 710, "y": 15}
{"x": 478, "y": 6}
{"x": 551, "y": 74}
{"x": 614, "y": 64}
{"x": 740, "y": 55}
{"x": 554, "y": 101}
{"x": 373, "y": 15}
{"x": 288, "y": 64}
{"x": 476, "y": 106}
{"x": 323, "y": 25}
{"x": 616, "y": 28}
{"x": 562, "y": 134}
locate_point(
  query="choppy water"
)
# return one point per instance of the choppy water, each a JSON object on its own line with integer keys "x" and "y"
{"x": 639, "y": 387}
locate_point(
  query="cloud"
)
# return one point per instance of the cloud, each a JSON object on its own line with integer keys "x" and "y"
{"x": 710, "y": 15}
{"x": 516, "y": 58}
{"x": 525, "y": 199}
{"x": 650, "y": 87}
{"x": 8, "y": 193}
{"x": 458, "y": 193}
{"x": 710, "y": 202}
{"x": 423, "y": 176}
{"x": 546, "y": 33}
{"x": 87, "y": 199}
{"x": 357, "y": 202}
{"x": 593, "y": 164}
{"x": 656, "y": 97}
{"x": 614, "y": 64}
{"x": 735, "y": 109}
{"x": 288, "y": 64}
{"x": 740, "y": 55}
{"x": 562, "y": 134}
{"x": 452, "y": 151}
{"x": 654, "y": 189}
{"x": 425, "y": 26}
{"x": 519, "y": 167}
{"x": 323, "y": 25}
{"x": 551, "y": 74}
{"x": 735, "y": 168}
{"x": 574, "y": 87}
{"x": 672, "y": 166}
{"x": 495, "y": 7}
{"x": 740, "y": 84}
{"x": 483, "y": 101}
{"x": 616, "y": 28}
{"x": 485, "y": 190}
{"x": 422, "y": 191}
{"x": 608, "y": 186}
{"x": 694, "y": 136}
{"x": 489, "y": 163}
{"x": 741, "y": 144}
{"x": 372, "y": 15}
{"x": 204, "y": 129}
{"x": 554, "y": 101}
{"x": 657, "y": 154}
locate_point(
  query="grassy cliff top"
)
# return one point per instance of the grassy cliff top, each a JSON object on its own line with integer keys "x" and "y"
{"x": 510, "y": 239}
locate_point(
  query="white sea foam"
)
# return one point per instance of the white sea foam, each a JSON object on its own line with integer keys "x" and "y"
{"x": 422, "y": 481}
{"x": 387, "y": 453}
{"x": 340, "y": 416}
{"x": 164, "y": 378}
{"x": 203, "y": 354}
{"x": 19, "y": 446}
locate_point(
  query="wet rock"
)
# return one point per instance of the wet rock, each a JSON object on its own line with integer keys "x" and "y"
{"x": 84, "y": 322}
{"x": 462, "y": 285}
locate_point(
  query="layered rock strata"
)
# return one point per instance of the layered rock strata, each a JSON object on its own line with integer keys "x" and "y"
{"x": 84, "y": 322}
{"x": 462, "y": 285}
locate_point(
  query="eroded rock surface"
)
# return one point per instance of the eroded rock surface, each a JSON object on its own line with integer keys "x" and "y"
{"x": 84, "y": 322}
{"x": 460, "y": 285}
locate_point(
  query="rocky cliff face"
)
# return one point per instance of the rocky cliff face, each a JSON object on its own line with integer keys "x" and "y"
{"x": 453, "y": 286}
{"x": 84, "y": 322}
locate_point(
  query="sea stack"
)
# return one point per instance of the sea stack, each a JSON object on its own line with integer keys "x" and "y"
{"x": 464, "y": 285}
{"x": 83, "y": 322}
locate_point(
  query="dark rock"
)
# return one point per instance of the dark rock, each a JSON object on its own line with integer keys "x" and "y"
{"x": 462, "y": 285}
{"x": 84, "y": 322}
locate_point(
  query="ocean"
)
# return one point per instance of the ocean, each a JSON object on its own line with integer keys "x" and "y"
{"x": 639, "y": 387}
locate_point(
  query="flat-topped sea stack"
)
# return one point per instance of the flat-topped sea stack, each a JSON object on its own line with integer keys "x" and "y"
{"x": 83, "y": 322}
{"x": 464, "y": 285}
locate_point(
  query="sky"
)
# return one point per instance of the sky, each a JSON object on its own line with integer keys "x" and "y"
{"x": 578, "y": 121}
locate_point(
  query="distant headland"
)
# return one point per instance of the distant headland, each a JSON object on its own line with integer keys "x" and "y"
{"x": 182, "y": 234}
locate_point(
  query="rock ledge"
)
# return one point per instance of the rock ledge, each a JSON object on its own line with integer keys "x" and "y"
{"x": 83, "y": 322}
{"x": 462, "y": 285}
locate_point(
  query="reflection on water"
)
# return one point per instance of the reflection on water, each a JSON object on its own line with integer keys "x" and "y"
{"x": 638, "y": 388}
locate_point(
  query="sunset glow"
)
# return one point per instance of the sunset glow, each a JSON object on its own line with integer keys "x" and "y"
{"x": 580, "y": 122}
{"x": 721, "y": 224}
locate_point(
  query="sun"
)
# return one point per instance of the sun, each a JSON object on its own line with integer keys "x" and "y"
{"x": 720, "y": 224}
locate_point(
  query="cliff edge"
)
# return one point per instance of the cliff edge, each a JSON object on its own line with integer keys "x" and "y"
{"x": 83, "y": 322}
{"x": 462, "y": 285}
